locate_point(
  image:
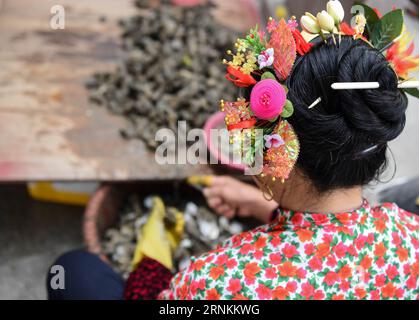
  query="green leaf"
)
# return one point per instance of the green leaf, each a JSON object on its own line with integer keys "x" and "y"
{"x": 387, "y": 29}
{"x": 414, "y": 92}
{"x": 288, "y": 110}
{"x": 268, "y": 75}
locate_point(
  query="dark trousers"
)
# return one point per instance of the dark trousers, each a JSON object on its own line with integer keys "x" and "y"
{"x": 87, "y": 277}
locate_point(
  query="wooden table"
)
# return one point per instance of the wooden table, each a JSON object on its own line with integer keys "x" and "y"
{"x": 48, "y": 128}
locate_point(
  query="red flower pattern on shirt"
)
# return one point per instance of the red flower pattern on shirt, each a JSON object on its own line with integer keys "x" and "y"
{"x": 371, "y": 253}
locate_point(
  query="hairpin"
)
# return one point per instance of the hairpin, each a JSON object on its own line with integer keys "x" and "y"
{"x": 363, "y": 86}
{"x": 371, "y": 85}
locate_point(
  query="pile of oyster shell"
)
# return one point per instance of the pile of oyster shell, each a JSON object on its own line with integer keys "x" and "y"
{"x": 172, "y": 70}
{"x": 203, "y": 231}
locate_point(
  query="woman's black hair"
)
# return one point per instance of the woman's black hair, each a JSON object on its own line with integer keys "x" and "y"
{"x": 335, "y": 133}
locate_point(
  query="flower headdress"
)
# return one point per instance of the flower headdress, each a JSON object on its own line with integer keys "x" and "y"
{"x": 264, "y": 60}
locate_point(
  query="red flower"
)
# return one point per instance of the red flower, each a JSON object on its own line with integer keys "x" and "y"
{"x": 216, "y": 272}
{"x": 246, "y": 248}
{"x": 309, "y": 249}
{"x": 392, "y": 272}
{"x": 345, "y": 272}
{"x": 331, "y": 278}
{"x": 276, "y": 241}
{"x": 380, "y": 262}
{"x": 275, "y": 258}
{"x": 331, "y": 261}
{"x": 260, "y": 243}
{"x": 198, "y": 265}
{"x": 315, "y": 263}
{"x": 340, "y": 250}
{"x": 280, "y": 293}
{"x": 344, "y": 286}
{"x": 318, "y": 295}
{"x": 360, "y": 242}
{"x": 380, "y": 225}
{"x": 323, "y": 250}
{"x": 240, "y": 79}
{"x": 258, "y": 254}
{"x": 222, "y": 259}
{"x": 303, "y": 46}
{"x": 319, "y": 218}
{"x": 360, "y": 293}
{"x": 202, "y": 284}
{"x": 292, "y": 286}
{"x": 271, "y": 273}
{"x": 307, "y": 290}
{"x": 234, "y": 286}
{"x": 343, "y": 218}
{"x": 290, "y": 251}
{"x": 287, "y": 269}
{"x": 366, "y": 263}
{"x": 305, "y": 235}
{"x": 388, "y": 291}
{"x": 250, "y": 271}
{"x": 396, "y": 239}
{"x": 231, "y": 263}
{"x": 346, "y": 29}
{"x": 380, "y": 250}
{"x": 212, "y": 294}
{"x": 402, "y": 253}
{"x": 375, "y": 295}
{"x": 301, "y": 273}
{"x": 264, "y": 293}
{"x": 411, "y": 282}
{"x": 380, "y": 280}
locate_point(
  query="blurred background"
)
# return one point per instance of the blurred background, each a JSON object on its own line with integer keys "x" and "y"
{"x": 79, "y": 83}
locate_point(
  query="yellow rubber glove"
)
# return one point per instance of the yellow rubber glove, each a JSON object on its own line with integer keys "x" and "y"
{"x": 155, "y": 240}
{"x": 200, "y": 181}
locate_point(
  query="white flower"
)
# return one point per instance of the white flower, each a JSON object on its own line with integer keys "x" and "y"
{"x": 310, "y": 24}
{"x": 266, "y": 58}
{"x": 335, "y": 9}
{"x": 326, "y": 21}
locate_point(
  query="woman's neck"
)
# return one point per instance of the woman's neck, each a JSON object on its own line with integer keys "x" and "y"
{"x": 299, "y": 195}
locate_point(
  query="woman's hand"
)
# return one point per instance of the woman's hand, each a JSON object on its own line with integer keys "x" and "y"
{"x": 230, "y": 197}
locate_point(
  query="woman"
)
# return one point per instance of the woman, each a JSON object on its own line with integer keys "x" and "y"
{"x": 325, "y": 241}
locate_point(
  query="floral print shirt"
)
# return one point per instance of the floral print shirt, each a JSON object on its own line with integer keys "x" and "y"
{"x": 371, "y": 253}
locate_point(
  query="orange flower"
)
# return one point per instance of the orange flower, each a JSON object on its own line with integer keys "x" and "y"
{"x": 360, "y": 293}
{"x": 260, "y": 243}
{"x": 388, "y": 291}
{"x": 287, "y": 269}
{"x": 212, "y": 294}
{"x": 415, "y": 269}
{"x": 338, "y": 297}
{"x": 198, "y": 265}
{"x": 251, "y": 270}
{"x": 380, "y": 250}
{"x": 366, "y": 263}
{"x": 380, "y": 225}
{"x": 343, "y": 218}
{"x": 400, "y": 56}
{"x": 402, "y": 253}
{"x": 323, "y": 250}
{"x": 345, "y": 272}
{"x": 216, "y": 272}
{"x": 240, "y": 297}
{"x": 280, "y": 293}
{"x": 305, "y": 235}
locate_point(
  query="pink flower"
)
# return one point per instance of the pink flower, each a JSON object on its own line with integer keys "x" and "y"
{"x": 272, "y": 25}
{"x": 273, "y": 141}
{"x": 267, "y": 99}
{"x": 266, "y": 58}
{"x": 293, "y": 24}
